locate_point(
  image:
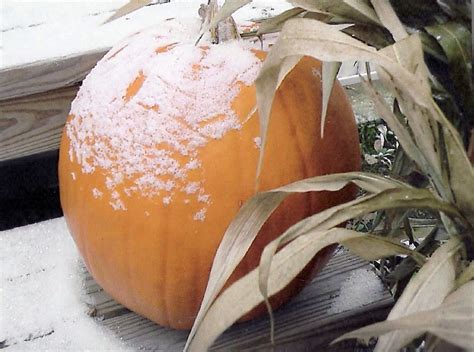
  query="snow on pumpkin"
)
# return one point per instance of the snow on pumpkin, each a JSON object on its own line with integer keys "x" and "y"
{"x": 147, "y": 108}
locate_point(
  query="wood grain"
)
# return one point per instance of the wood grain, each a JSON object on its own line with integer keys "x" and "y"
{"x": 33, "y": 124}
{"x": 306, "y": 323}
{"x": 47, "y": 75}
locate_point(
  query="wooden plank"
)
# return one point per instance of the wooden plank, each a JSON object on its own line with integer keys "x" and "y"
{"x": 308, "y": 322}
{"x": 43, "y": 76}
{"x": 34, "y": 124}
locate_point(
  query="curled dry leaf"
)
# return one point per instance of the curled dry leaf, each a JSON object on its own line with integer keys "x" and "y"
{"x": 274, "y": 24}
{"x": 287, "y": 264}
{"x": 392, "y": 194}
{"x": 329, "y": 75}
{"x": 452, "y": 321}
{"x": 351, "y": 10}
{"x": 389, "y": 18}
{"x": 373, "y": 247}
{"x": 251, "y": 217}
{"x": 129, "y": 7}
{"x": 425, "y": 291}
{"x": 401, "y": 67}
{"x": 302, "y": 36}
{"x": 395, "y": 198}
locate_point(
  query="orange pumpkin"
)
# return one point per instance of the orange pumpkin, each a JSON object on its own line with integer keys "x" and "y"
{"x": 160, "y": 152}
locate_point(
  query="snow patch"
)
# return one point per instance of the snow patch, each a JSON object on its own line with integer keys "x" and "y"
{"x": 152, "y": 138}
{"x": 258, "y": 142}
{"x": 200, "y": 215}
{"x": 357, "y": 291}
{"x": 42, "y": 292}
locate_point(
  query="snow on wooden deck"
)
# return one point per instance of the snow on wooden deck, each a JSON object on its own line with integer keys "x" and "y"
{"x": 43, "y": 300}
{"x": 48, "y": 301}
{"x": 44, "y": 30}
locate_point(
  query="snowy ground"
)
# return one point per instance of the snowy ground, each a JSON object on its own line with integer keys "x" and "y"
{"x": 39, "y": 30}
{"x": 42, "y": 294}
{"x": 46, "y": 29}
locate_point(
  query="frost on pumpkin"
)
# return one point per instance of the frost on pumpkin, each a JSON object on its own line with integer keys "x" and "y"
{"x": 142, "y": 115}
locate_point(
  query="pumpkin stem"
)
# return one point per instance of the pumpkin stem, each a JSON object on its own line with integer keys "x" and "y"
{"x": 224, "y": 30}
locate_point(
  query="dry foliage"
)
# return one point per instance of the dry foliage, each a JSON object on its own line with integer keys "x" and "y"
{"x": 424, "y": 62}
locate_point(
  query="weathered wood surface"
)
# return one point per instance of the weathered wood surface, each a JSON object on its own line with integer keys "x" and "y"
{"x": 47, "y": 75}
{"x": 33, "y": 124}
{"x": 307, "y": 323}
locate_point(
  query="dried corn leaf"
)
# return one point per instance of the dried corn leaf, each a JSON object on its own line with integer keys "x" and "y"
{"x": 275, "y": 23}
{"x": 310, "y": 37}
{"x": 395, "y": 198}
{"x": 373, "y": 247}
{"x": 452, "y": 321}
{"x": 251, "y": 217}
{"x": 353, "y": 10}
{"x": 287, "y": 264}
{"x": 389, "y": 18}
{"x": 425, "y": 291}
{"x": 329, "y": 75}
{"x": 130, "y": 7}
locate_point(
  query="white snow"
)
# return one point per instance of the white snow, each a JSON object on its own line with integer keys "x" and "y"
{"x": 39, "y": 30}
{"x": 357, "y": 290}
{"x": 152, "y": 137}
{"x": 42, "y": 293}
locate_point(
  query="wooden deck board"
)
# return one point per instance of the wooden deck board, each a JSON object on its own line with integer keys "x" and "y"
{"x": 33, "y": 124}
{"x": 47, "y": 75}
{"x": 307, "y": 322}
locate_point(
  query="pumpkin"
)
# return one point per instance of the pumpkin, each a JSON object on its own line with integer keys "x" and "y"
{"x": 160, "y": 152}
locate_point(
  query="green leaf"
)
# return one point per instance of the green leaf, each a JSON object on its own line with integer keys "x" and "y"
{"x": 389, "y": 19}
{"x": 329, "y": 75}
{"x": 129, "y": 7}
{"x": 452, "y": 321}
{"x": 456, "y": 41}
{"x": 456, "y": 8}
{"x": 275, "y": 23}
{"x": 432, "y": 47}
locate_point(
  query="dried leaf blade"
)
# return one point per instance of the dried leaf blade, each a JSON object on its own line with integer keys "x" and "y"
{"x": 451, "y": 321}
{"x": 329, "y": 75}
{"x": 425, "y": 291}
{"x": 131, "y": 6}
